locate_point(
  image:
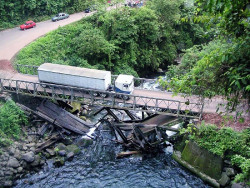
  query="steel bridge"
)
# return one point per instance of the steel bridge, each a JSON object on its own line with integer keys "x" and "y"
{"x": 142, "y": 100}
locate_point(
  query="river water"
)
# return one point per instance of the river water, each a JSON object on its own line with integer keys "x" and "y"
{"x": 96, "y": 166}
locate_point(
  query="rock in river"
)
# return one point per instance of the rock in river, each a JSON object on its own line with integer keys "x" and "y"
{"x": 29, "y": 157}
{"x": 13, "y": 162}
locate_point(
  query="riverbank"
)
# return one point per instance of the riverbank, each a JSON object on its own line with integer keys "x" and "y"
{"x": 31, "y": 145}
{"x": 218, "y": 156}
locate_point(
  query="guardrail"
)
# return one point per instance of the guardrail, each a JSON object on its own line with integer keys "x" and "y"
{"x": 114, "y": 100}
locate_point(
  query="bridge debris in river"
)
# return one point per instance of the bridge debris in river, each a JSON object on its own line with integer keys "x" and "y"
{"x": 144, "y": 134}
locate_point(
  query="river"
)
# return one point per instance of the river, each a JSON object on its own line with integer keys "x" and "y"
{"x": 96, "y": 166}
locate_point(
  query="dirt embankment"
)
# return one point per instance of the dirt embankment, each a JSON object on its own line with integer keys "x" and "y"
{"x": 6, "y": 65}
{"x": 226, "y": 121}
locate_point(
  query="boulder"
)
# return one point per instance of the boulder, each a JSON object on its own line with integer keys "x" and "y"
{"x": 20, "y": 169}
{"x": 1, "y": 174}
{"x": 84, "y": 142}
{"x": 61, "y": 146}
{"x": 224, "y": 179}
{"x": 67, "y": 141}
{"x": 8, "y": 183}
{"x": 73, "y": 148}
{"x": 51, "y": 152}
{"x": 13, "y": 162}
{"x": 230, "y": 172}
{"x": 237, "y": 185}
{"x": 59, "y": 161}
{"x": 37, "y": 160}
{"x": 17, "y": 154}
{"x": 25, "y": 147}
{"x": 12, "y": 150}
{"x": 70, "y": 156}
{"x": 62, "y": 152}
{"x": 159, "y": 70}
{"x": 31, "y": 145}
{"x": 30, "y": 139}
{"x": 9, "y": 172}
{"x": 33, "y": 149}
{"x": 29, "y": 157}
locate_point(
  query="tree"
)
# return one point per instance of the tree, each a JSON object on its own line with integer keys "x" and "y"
{"x": 232, "y": 15}
{"x": 221, "y": 67}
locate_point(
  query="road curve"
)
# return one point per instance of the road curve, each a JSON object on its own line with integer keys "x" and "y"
{"x": 13, "y": 40}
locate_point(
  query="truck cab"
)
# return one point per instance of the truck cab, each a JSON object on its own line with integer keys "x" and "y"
{"x": 124, "y": 84}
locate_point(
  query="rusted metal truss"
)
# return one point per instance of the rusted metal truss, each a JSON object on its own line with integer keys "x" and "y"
{"x": 87, "y": 96}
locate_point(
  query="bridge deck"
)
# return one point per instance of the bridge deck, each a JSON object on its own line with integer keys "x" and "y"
{"x": 141, "y": 100}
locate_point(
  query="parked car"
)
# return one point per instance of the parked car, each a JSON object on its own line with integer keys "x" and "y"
{"x": 60, "y": 16}
{"x": 27, "y": 25}
{"x": 90, "y": 9}
{"x": 87, "y": 10}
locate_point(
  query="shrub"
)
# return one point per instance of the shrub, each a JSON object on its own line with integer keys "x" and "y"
{"x": 11, "y": 117}
{"x": 227, "y": 143}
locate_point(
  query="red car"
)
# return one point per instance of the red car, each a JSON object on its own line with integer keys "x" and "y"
{"x": 27, "y": 25}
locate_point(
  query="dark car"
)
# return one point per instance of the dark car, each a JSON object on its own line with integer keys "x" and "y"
{"x": 87, "y": 10}
{"x": 60, "y": 16}
{"x": 27, "y": 25}
{"x": 90, "y": 9}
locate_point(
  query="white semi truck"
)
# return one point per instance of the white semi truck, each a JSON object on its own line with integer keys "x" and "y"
{"x": 98, "y": 80}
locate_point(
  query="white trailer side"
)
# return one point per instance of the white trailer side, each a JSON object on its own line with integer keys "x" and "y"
{"x": 74, "y": 76}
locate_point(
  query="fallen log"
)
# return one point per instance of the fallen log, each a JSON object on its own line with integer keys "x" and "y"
{"x": 126, "y": 154}
{"x": 49, "y": 142}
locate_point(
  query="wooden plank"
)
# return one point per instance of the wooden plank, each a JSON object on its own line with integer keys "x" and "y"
{"x": 64, "y": 118}
{"x": 49, "y": 142}
{"x": 126, "y": 154}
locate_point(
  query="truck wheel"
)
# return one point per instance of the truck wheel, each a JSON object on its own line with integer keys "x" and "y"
{"x": 125, "y": 97}
{"x": 104, "y": 95}
{"x": 43, "y": 85}
{"x": 95, "y": 94}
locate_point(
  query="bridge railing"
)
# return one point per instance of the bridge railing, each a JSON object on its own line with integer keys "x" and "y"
{"x": 87, "y": 96}
{"x": 140, "y": 83}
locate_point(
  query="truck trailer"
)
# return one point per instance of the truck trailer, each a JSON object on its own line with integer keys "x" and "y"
{"x": 84, "y": 78}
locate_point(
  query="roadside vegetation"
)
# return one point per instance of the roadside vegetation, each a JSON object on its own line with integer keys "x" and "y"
{"x": 11, "y": 120}
{"x": 133, "y": 41}
{"x": 222, "y": 66}
{"x": 227, "y": 143}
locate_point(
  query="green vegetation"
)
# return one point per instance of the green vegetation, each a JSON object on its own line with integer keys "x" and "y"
{"x": 14, "y": 13}
{"x": 131, "y": 41}
{"x": 227, "y": 143}
{"x": 221, "y": 67}
{"x": 11, "y": 119}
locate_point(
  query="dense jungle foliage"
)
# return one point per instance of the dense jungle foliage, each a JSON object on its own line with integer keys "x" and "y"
{"x": 127, "y": 40}
{"x": 226, "y": 143}
{"x": 222, "y": 66}
{"x": 11, "y": 119}
{"x": 13, "y": 13}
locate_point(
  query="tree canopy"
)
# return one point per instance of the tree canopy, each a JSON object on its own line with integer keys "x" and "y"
{"x": 127, "y": 40}
{"x": 222, "y": 66}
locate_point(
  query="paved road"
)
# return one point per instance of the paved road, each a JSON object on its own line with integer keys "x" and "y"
{"x": 13, "y": 40}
